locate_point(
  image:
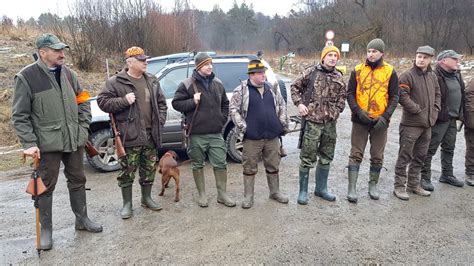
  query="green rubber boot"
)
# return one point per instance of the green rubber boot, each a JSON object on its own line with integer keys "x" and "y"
{"x": 321, "y": 189}
{"x": 147, "y": 201}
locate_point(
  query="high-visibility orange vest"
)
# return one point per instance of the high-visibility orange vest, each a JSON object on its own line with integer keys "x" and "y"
{"x": 372, "y": 88}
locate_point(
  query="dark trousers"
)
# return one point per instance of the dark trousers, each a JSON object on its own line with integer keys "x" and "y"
{"x": 50, "y": 162}
{"x": 414, "y": 143}
{"x": 359, "y": 136}
{"x": 443, "y": 133}
{"x": 469, "y": 162}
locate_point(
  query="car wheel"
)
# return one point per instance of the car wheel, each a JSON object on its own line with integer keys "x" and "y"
{"x": 234, "y": 146}
{"x": 107, "y": 159}
{"x": 283, "y": 91}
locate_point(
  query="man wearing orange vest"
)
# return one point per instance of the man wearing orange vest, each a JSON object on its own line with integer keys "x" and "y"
{"x": 372, "y": 94}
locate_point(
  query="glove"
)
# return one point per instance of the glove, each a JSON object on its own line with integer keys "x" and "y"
{"x": 381, "y": 123}
{"x": 364, "y": 117}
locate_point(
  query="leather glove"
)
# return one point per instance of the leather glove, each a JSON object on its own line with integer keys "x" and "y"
{"x": 364, "y": 117}
{"x": 381, "y": 123}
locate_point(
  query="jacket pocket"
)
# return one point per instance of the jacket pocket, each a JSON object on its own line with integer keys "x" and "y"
{"x": 50, "y": 138}
{"x": 82, "y": 135}
{"x": 128, "y": 129}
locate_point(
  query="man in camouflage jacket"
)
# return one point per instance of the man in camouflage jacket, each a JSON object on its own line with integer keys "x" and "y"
{"x": 320, "y": 94}
{"x": 259, "y": 113}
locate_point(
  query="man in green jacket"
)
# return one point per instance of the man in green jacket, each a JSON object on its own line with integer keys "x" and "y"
{"x": 53, "y": 127}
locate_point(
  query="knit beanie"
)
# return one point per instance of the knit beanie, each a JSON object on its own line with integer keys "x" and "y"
{"x": 201, "y": 59}
{"x": 376, "y": 44}
{"x": 326, "y": 50}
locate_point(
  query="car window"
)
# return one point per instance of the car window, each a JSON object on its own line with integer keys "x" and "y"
{"x": 169, "y": 83}
{"x": 231, "y": 74}
{"x": 155, "y": 66}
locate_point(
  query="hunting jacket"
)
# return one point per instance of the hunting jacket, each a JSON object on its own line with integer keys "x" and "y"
{"x": 420, "y": 97}
{"x": 128, "y": 117}
{"x": 213, "y": 110}
{"x": 328, "y": 97}
{"x": 45, "y": 114}
{"x": 239, "y": 105}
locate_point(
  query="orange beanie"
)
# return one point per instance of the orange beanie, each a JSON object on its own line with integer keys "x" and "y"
{"x": 329, "y": 49}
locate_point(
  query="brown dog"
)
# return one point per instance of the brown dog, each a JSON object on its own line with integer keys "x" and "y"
{"x": 168, "y": 168}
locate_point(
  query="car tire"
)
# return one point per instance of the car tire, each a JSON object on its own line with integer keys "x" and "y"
{"x": 234, "y": 146}
{"x": 107, "y": 159}
{"x": 283, "y": 91}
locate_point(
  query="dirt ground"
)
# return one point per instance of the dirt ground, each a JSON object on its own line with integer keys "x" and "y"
{"x": 438, "y": 229}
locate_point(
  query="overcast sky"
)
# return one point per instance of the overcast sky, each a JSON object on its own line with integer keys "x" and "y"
{"x": 33, "y": 8}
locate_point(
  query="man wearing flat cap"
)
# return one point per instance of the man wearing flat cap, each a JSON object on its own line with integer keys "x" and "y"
{"x": 372, "y": 95}
{"x": 53, "y": 127}
{"x": 420, "y": 97}
{"x": 202, "y": 99}
{"x": 138, "y": 104}
{"x": 444, "y": 131}
{"x": 259, "y": 114}
{"x": 320, "y": 95}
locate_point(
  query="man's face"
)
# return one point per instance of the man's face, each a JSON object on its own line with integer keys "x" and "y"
{"x": 206, "y": 70}
{"x": 373, "y": 55}
{"x": 422, "y": 60}
{"x": 330, "y": 60}
{"x": 52, "y": 57}
{"x": 257, "y": 78}
{"x": 450, "y": 64}
{"x": 136, "y": 65}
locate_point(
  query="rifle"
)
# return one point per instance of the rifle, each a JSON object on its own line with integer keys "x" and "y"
{"x": 119, "y": 148}
{"x": 118, "y": 141}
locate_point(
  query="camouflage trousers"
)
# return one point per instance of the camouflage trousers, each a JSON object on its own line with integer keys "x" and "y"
{"x": 319, "y": 140}
{"x": 142, "y": 157}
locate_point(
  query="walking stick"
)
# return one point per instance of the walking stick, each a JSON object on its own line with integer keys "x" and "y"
{"x": 35, "y": 188}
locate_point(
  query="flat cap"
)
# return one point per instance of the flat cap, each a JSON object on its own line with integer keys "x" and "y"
{"x": 428, "y": 50}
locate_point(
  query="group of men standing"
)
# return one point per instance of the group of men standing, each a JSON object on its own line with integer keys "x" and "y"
{"x": 52, "y": 124}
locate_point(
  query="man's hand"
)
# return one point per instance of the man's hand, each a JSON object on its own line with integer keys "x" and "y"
{"x": 364, "y": 117}
{"x": 32, "y": 152}
{"x": 197, "y": 97}
{"x": 381, "y": 123}
{"x": 302, "y": 109}
{"x": 130, "y": 98}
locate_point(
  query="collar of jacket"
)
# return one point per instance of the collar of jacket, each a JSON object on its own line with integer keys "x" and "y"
{"x": 265, "y": 85}
{"x": 200, "y": 78}
{"x": 375, "y": 64}
{"x": 445, "y": 74}
{"x": 123, "y": 77}
{"x": 420, "y": 72}
{"x": 44, "y": 67}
